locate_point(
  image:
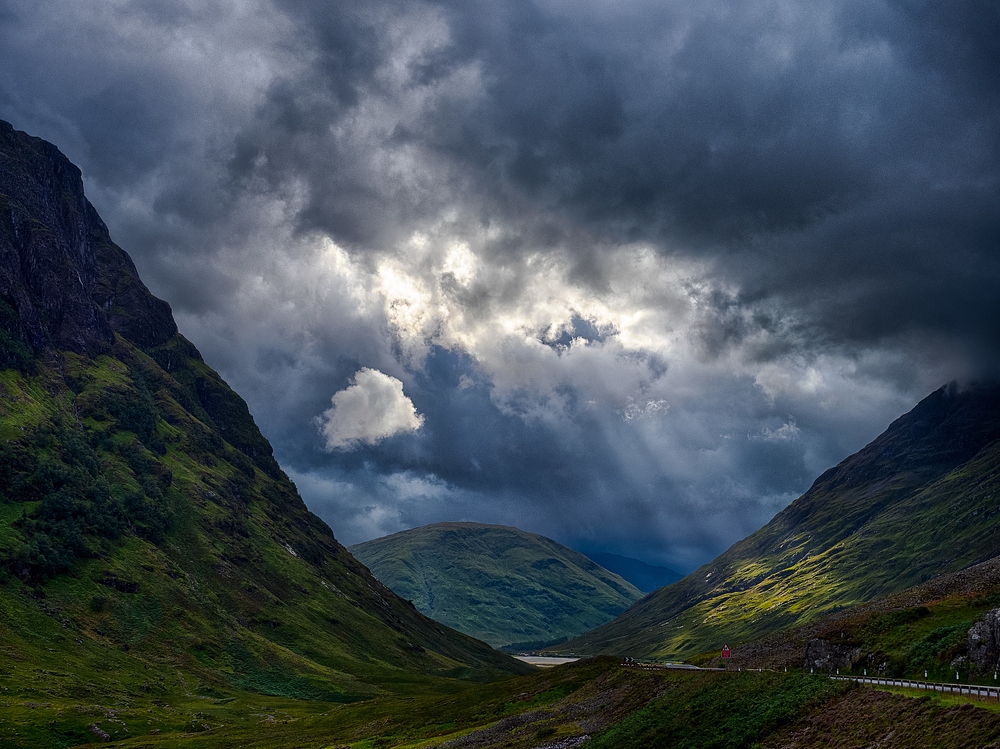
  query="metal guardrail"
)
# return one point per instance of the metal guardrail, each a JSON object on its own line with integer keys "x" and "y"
{"x": 970, "y": 690}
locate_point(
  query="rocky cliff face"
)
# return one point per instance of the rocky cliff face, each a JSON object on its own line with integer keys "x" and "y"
{"x": 65, "y": 286}
{"x": 63, "y": 283}
{"x": 983, "y": 642}
{"x": 826, "y": 656}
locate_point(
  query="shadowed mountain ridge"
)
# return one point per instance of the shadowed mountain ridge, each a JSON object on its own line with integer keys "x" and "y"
{"x": 646, "y": 577}
{"x": 921, "y": 500}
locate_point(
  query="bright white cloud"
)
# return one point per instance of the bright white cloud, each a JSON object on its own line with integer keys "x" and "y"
{"x": 518, "y": 322}
{"x": 636, "y": 410}
{"x": 785, "y": 433}
{"x": 370, "y": 409}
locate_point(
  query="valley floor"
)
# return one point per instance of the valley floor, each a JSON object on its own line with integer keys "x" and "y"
{"x": 594, "y": 703}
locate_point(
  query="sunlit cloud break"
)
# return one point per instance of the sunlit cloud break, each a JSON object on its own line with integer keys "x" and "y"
{"x": 372, "y": 408}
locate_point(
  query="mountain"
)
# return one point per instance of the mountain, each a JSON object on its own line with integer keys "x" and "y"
{"x": 497, "y": 583}
{"x": 148, "y": 539}
{"x": 646, "y": 577}
{"x": 921, "y": 500}
{"x": 947, "y": 624}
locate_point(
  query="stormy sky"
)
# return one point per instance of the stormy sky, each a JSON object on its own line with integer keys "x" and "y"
{"x": 626, "y": 274}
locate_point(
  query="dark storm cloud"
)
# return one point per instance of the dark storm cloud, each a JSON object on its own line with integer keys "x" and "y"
{"x": 817, "y": 184}
{"x": 833, "y": 158}
{"x": 958, "y": 39}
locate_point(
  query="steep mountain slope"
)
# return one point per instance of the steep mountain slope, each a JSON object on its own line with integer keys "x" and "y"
{"x": 948, "y": 624}
{"x": 646, "y": 577}
{"x": 500, "y": 584}
{"x": 148, "y": 538}
{"x": 921, "y": 500}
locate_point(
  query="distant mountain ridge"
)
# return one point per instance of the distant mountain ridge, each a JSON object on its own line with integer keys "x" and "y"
{"x": 921, "y": 500}
{"x": 497, "y": 583}
{"x": 148, "y": 539}
{"x": 646, "y": 577}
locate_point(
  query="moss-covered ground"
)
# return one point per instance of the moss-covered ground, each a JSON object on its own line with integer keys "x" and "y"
{"x": 724, "y": 710}
{"x": 875, "y": 718}
{"x": 55, "y": 703}
{"x": 151, "y": 550}
{"x": 39, "y": 708}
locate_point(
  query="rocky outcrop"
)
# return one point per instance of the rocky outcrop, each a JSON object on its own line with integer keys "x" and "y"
{"x": 983, "y": 642}
{"x": 823, "y": 655}
{"x": 64, "y": 284}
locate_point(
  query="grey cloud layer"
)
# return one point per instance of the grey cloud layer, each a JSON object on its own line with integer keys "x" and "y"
{"x": 814, "y": 186}
{"x": 840, "y": 157}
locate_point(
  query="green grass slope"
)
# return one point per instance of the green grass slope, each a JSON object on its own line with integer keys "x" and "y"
{"x": 149, "y": 543}
{"x": 551, "y": 709}
{"x": 497, "y": 583}
{"x": 923, "y": 499}
{"x": 924, "y": 629}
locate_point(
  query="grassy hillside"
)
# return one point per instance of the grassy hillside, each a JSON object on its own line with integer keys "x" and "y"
{"x": 149, "y": 543}
{"x": 926, "y": 628}
{"x": 919, "y": 501}
{"x": 496, "y": 583}
{"x": 552, "y": 709}
{"x": 128, "y": 526}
